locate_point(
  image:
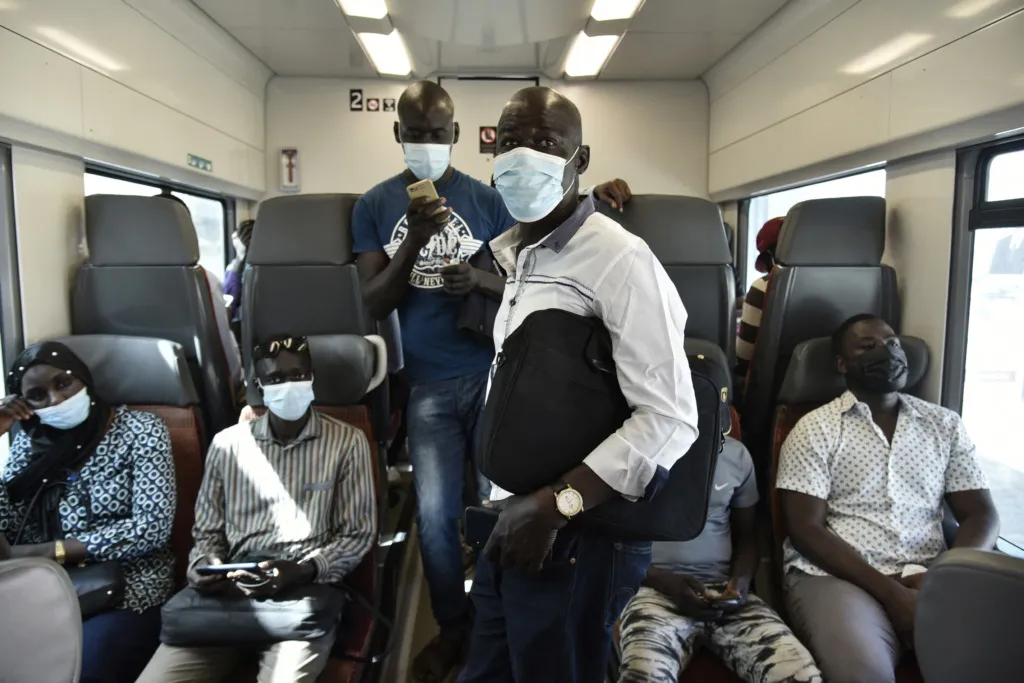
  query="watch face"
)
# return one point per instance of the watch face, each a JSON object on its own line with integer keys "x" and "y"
{"x": 569, "y": 502}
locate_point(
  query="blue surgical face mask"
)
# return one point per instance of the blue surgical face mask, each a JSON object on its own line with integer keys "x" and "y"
{"x": 67, "y": 414}
{"x": 288, "y": 400}
{"x": 530, "y": 182}
{"x": 427, "y": 160}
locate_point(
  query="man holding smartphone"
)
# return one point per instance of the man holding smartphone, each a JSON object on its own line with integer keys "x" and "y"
{"x": 696, "y": 593}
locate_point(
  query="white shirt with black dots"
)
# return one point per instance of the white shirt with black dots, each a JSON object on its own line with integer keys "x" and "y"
{"x": 885, "y": 500}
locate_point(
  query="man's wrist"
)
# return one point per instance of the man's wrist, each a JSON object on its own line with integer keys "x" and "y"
{"x": 549, "y": 508}
{"x": 306, "y": 573}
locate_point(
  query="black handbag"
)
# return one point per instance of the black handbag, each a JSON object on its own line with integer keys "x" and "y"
{"x": 555, "y": 397}
{"x": 478, "y": 311}
{"x": 99, "y": 586}
{"x": 303, "y": 612}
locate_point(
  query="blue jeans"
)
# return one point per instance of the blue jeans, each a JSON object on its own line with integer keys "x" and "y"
{"x": 554, "y": 626}
{"x": 442, "y": 420}
{"x": 117, "y": 645}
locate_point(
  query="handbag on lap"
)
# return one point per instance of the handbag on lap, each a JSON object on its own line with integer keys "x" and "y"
{"x": 555, "y": 396}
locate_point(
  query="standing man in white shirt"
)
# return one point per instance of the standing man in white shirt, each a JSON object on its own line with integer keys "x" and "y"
{"x": 547, "y": 590}
{"x": 862, "y": 480}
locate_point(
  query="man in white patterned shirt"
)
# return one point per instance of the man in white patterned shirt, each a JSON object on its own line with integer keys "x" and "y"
{"x": 293, "y": 489}
{"x": 862, "y": 481}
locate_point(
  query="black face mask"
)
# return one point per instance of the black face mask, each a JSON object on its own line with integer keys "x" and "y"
{"x": 881, "y": 370}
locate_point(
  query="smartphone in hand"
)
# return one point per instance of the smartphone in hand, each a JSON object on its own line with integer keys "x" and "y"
{"x": 224, "y": 569}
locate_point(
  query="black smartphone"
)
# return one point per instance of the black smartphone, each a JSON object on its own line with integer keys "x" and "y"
{"x": 478, "y": 524}
{"x": 726, "y": 604}
{"x": 214, "y": 569}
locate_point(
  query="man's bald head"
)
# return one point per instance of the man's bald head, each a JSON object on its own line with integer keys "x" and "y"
{"x": 540, "y": 102}
{"x": 426, "y": 113}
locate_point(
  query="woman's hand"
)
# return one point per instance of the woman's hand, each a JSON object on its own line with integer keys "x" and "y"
{"x": 13, "y": 408}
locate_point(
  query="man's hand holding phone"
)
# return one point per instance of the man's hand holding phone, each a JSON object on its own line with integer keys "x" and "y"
{"x": 427, "y": 215}
{"x": 205, "y": 581}
{"x": 271, "y": 577}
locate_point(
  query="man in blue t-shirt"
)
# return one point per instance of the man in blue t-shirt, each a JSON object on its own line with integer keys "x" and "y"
{"x": 413, "y": 257}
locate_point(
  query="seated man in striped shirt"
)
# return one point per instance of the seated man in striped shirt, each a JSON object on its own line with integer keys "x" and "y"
{"x": 293, "y": 486}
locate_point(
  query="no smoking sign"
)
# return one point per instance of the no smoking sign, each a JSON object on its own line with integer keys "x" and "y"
{"x": 488, "y": 137}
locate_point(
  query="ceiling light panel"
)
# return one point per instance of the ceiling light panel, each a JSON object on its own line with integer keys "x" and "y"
{"x": 387, "y": 52}
{"x": 370, "y": 9}
{"x": 613, "y": 10}
{"x": 588, "y": 54}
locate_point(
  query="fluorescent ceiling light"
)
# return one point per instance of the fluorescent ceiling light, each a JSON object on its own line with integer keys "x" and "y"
{"x": 970, "y": 8}
{"x": 79, "y": 50}
{"x": 371, "y": 9}
{"x": 588, "y": 54}
{"x": 387, "y": 52}
{"x": 611, "y": 10}
{"x": 887, "y": 53}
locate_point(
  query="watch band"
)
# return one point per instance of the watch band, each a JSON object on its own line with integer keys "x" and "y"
{"x": 559, "y": 485}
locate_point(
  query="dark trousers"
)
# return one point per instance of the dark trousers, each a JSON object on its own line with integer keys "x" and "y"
{"x": 554, "y": 626}
{"x": 117, "y": 645}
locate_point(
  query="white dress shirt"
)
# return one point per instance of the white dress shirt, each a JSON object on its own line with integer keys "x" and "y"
{"x": 884, "y": 500}
{"x": 591, "y": 266}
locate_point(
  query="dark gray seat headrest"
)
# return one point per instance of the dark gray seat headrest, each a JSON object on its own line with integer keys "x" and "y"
{"x": 307, "y": 229}
{"x": 345, "y": 367}
{"x": 844, "y": 231}
{"x": 679, "y": 230}
{"x": 812, "y": 376}
{"x": 122, "y": 230}
{"x": 136, "y": 370}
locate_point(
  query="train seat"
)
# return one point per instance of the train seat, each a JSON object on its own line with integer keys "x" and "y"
{"x": 142, "y": 279}
{"x": 153, "y": 375}
{"x": 40, "y": 624}
{"x": 828, "y": 269}
{"x": 301, "y": 278}
{"x": 812, "y": 381}
{"x": 345, "y": 369}
{"x": 970, "y": 613}
{"x": 688, "y": 237}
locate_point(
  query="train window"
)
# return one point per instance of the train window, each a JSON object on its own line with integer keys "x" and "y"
{"x": 993, "y": 377}
{"x": 208, "y": 215}
{"x": 765, "y": 207}
{"x": 10, "y": 295}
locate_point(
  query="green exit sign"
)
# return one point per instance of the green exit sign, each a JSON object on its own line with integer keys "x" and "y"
{"x": 200, "y": 163}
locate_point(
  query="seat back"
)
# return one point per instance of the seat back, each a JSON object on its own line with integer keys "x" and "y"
{"x": 688, "y": 237}
{"x": 301, "y": 278}
{"x": 970, "y": 614}
{"x": 40, "y": 623}
{"x": 142, "y": 280}
{"x": 811, "y": 381}
{"x": 829, "y": 269}
{"x": 153, "y": 375}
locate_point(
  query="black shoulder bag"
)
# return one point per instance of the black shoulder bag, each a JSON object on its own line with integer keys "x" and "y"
{"x": 555, "y": 397}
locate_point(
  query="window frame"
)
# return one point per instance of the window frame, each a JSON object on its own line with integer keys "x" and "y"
{"x": 163, "y": 185}
{"x": 11, "y": 324}
{"x": 743, "y": 210}
{"x": 971, "y": 212}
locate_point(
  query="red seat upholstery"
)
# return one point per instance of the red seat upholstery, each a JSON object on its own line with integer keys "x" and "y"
{"x": 187, "y": 442}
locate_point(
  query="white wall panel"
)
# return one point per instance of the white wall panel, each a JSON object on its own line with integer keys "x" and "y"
{"x": 871, "y": 38}
{"x": 851, "y": 122}
{"x": 102, "y": 80}
{"x": 919, "y": 196}
{"x": 43, "y": 87}
{"x": 981, "y": 73}
{"x": 652, "y": 134}
{"x": 121, "y": 118}
{"x": 48, "y": 209}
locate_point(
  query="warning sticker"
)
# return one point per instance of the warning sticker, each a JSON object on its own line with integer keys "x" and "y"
{"x": 389, "y": 104}
{"x": 372, "y": 104}
{"x": 488, "y": 137}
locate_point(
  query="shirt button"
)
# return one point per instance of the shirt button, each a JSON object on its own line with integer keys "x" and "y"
{"x": 512, "y": 302}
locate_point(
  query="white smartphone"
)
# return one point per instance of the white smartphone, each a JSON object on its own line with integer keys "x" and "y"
{"x": 423, "y": 188}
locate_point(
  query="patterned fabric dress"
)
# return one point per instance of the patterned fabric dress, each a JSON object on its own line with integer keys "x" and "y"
{"x": 120, "y": 505}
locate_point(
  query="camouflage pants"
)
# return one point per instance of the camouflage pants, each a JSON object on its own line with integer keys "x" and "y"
{"x": 657, "y": 643}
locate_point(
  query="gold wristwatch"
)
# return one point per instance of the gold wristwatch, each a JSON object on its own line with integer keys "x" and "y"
{"x": 58, "y": 552}
{"x": 568, "y": 500}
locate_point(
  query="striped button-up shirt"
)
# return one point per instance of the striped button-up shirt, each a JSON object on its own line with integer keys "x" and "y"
{"x": 310, "y": 500}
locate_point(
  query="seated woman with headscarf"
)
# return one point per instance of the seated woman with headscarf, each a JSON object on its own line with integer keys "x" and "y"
{"x": 87, "y": 483}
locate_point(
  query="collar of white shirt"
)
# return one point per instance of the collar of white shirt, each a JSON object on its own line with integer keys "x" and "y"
{"x": 504, "y": 246}
{"x": 848, "y": 402}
